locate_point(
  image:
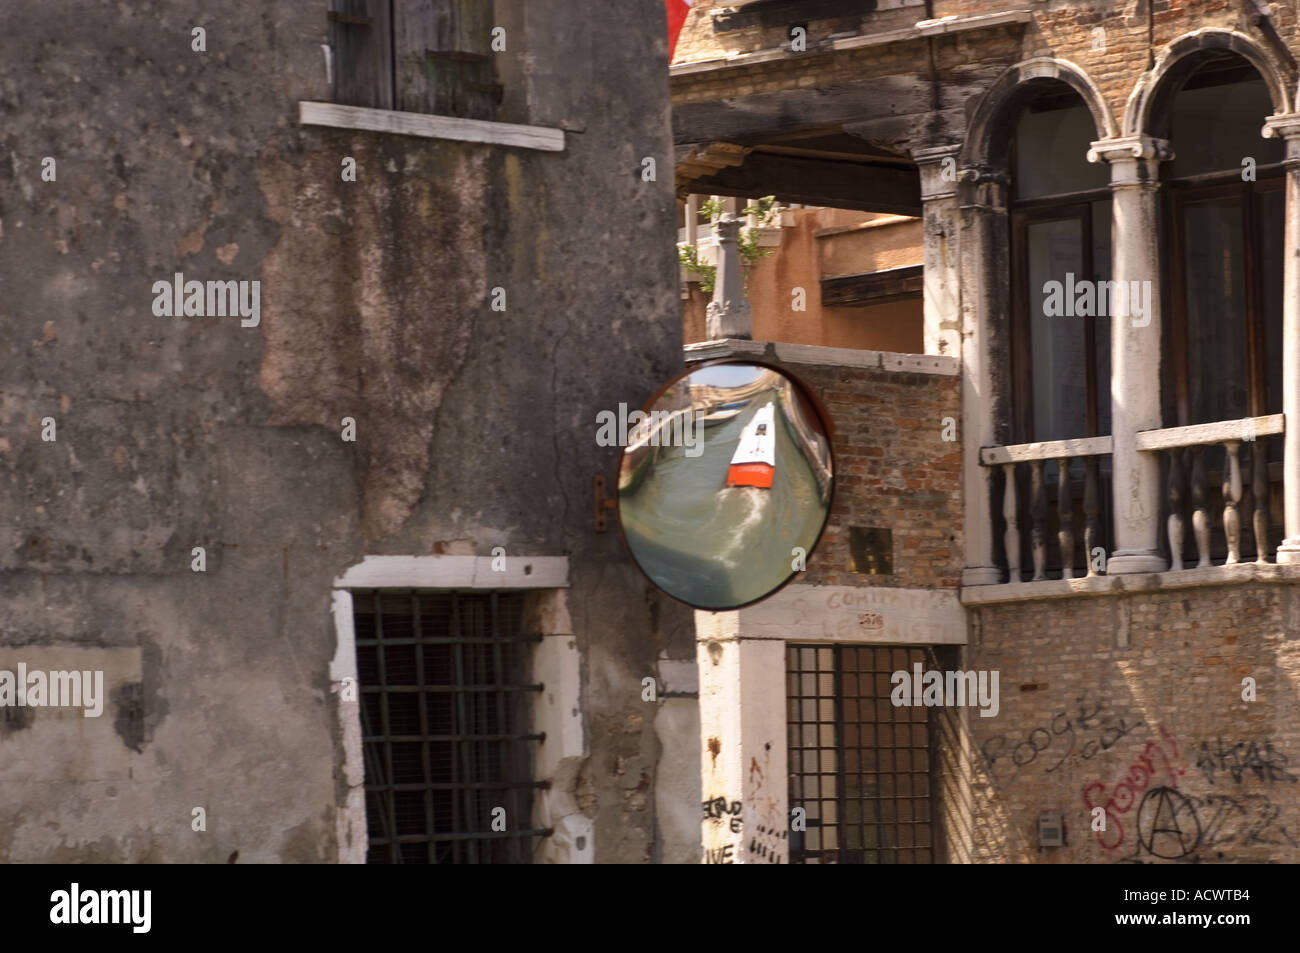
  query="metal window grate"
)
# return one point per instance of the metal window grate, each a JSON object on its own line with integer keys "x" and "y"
{"x": 444, "y": 715}
{"x": 859, "y": 767}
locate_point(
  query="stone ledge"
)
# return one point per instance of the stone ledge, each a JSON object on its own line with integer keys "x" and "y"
{"x": 941, "y": 364}
{"x": 1130, "y": 583}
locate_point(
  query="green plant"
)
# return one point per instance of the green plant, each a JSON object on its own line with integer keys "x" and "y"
{"x": 765, "y": 209}
{"x": 711, "y": 208}
{"x": 690, "y": 259}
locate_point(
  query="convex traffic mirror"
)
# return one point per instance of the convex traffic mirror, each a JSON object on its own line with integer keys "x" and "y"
{"x": 725, "y": 483}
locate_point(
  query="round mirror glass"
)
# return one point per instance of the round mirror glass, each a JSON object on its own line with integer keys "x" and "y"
{"x": 725, "y": 483}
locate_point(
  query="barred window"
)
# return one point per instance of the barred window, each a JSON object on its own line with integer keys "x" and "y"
{"x": 445, "y": 707}
{"x": 859, "y": 767}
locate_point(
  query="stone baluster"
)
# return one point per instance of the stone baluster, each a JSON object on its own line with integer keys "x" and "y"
{"x": 1065, "y": 514}
{"x": 1091, "y": 511}
{"x": 1177, "y": 526}
{"x": 1259, "y": 490}
{"x": 1011, "y": 538}
{"x": 1038, "y": 519}
{"x": 1231, "y": 497}
{"x": 1200, "y": 518}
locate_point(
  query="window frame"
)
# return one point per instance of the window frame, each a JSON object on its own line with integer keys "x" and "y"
{"x": 1023, "y": 213}
{"x": 1179, "y": 193}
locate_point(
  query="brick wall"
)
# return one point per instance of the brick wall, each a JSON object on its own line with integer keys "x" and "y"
{"x": 892, "y": 469}
{"x": 1154, "y": 732}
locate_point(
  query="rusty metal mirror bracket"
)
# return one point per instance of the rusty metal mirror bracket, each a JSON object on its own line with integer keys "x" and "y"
{"x": 603, "y": 503}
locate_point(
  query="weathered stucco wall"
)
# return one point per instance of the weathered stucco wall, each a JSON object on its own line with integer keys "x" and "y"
{"x": 474, "y": 428}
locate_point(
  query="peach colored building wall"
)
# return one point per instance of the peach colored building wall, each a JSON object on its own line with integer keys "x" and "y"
{"x": 824, "y": 243}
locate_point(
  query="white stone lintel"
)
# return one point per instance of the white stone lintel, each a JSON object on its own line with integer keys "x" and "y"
{"x": 456, "y": 572}
{"x": 871, "y": 614}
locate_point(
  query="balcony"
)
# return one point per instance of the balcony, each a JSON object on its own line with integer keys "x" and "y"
{"x": 1220, "y": 500}
{"x": 1059, "y": 490}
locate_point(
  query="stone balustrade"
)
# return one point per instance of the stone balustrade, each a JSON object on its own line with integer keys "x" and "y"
{"x": 1034, "y": 455}
{"x": 1187, "y": 447}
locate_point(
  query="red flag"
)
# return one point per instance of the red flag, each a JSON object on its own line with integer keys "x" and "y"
{"x": 677, "y": 10}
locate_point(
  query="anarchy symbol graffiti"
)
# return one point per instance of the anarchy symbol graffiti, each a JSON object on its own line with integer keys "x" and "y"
{"x": 1167, "y": 824}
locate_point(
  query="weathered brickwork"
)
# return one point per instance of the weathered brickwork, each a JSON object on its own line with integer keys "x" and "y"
{"x": 1154, "y": 730}
{"x": 1112, "y": 43}
{"x": 893, "y": 470}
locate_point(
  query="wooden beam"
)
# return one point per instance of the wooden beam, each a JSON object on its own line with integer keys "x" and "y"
{"x": 768, "y": 13}
{"x": 861, "y": 186}
{"x": 749, "y": 119}
{"x": 873, "y": 287}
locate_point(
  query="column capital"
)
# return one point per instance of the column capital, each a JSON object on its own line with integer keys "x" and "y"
{"x": 1287, "y": 128}
{"x": 938, "y": 168}
{"x": 1282, "y": 126}
{"x": 1132, "y": 159}
{"x": 1130, "y": 147}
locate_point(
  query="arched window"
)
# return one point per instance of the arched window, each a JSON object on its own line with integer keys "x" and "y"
{"x": 1224, "y": 198}
{"x": 1060, "y": 245}
{"x": 1059, "y": 333}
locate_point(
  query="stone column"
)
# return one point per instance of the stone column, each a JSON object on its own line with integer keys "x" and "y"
{"x": 1288, "y": 127}
{"x": 942, "y": 274}
{"x": 728, "y": 313}
{"x": 1134, "y": 347}
{"x": 984, "y": 311}
{"x": 743, "y": 773}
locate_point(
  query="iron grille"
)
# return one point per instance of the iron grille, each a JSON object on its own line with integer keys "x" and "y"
{"x": 859, "y": 767}
{"x": 444, "y": 716}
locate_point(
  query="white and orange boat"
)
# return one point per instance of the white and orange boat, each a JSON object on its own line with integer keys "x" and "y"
{"x": 755, "y": 458}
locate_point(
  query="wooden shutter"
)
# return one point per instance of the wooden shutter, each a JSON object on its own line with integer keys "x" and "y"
{"x": 443, "y": 58}
{"x": 361, "y": 33}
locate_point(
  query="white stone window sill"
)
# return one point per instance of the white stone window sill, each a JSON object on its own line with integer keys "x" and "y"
{"x": 1130, "y": 583}
{"x": 430, "y": 127}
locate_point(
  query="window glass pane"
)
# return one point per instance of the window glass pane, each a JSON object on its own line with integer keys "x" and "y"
{"x": 1057, "y": 341}
{"x": 1215, "y": 127}
{"x": 1101, "y": 210}
{"x": 1052, "y": 153}
{"x": 1216, "y": 309}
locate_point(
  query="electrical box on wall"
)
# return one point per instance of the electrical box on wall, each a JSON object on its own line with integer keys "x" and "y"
{"x": 1051, "y": 829}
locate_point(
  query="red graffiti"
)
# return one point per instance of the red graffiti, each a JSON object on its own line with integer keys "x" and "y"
{"x": 1123, "y": 795}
